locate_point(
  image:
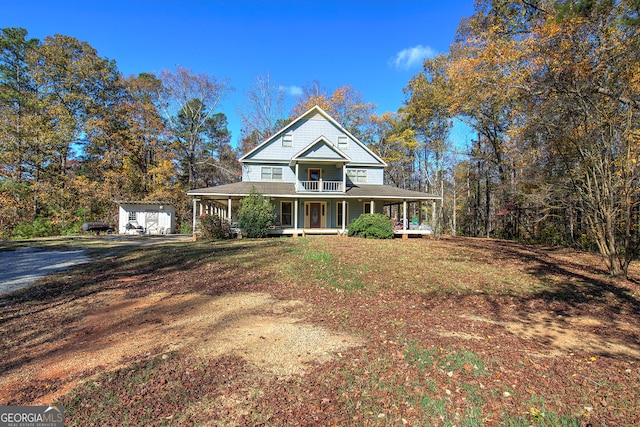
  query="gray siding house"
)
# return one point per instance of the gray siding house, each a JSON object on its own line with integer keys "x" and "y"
{"x": 318, "y": 176}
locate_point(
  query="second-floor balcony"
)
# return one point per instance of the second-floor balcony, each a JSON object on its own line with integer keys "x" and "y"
{"x": 320, "y": 186}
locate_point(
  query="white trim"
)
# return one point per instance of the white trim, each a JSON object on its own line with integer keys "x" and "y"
{"x": 323, "y": 213}
{"x": 313, "y": 195}
{"x": 355, "y": 172}
{"x": 299, "y": 156}
{"x": 275, "y": 162}
{"x": 404, "y": 215}
{"x": 314, "y": 169}
{"x": 364, "y": 165}
{"x": 320, "y": 161}
{"x": 287, "y": 136}
{"x": 271, "y": 178}
{"x": 194, "y": 217}
{"x": 345, "y": 213}
{"x": 282, "y": 202}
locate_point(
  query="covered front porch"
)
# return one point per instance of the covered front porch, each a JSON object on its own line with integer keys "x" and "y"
{"x": 317, "y": 213}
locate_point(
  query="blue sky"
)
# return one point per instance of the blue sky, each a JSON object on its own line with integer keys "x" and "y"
{"x": 374, "y": 46}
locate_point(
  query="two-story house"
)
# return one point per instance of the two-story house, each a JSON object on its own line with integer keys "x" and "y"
{"x": 318, "y": 176}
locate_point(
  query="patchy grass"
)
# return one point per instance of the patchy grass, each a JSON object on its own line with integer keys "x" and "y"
{"x": 454, "y": 332}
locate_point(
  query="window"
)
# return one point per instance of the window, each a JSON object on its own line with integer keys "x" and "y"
{"x": 286, "y": 214}
{"x": 315, "y": 174}
{"x": 357, "y": 175}
{"x": 287, "y": 140}
{"x": 271, "y": 173}
{"x": 342, "y": 142}
{"x": 133, "y": 216}
{"x": 339, "y": 214}
{"x": 367, "y": 207}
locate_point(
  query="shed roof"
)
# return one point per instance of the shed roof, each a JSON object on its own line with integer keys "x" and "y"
{"x": 142, "y": 202}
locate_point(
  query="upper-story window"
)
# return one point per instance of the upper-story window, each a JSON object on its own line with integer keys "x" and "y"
{"x": 287, "y": 140}
{"x": 270, "y": 173}
{"x": 342, "y": 142}
{"x": 357, "y": 175}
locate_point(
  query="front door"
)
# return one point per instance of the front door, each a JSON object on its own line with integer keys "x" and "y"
{"x": 315, "y": 216}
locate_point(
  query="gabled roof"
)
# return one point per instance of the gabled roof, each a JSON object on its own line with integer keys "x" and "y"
{"x": 309, "y": 113}
{"x": 320, "y": 150}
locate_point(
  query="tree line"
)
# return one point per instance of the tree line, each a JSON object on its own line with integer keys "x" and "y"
{"x": 550, "y": 88}
{"x": 76, "y": 135}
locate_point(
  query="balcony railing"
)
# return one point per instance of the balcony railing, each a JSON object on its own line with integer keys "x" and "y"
{"x": 321, "y": 186}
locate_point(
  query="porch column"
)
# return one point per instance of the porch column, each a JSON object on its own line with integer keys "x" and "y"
{"x": 344, "y": 177}
{"x": 373, "y": 207}
{"x": 433, "y": 214}
{"x": 344, "y": 214}
{"x": 404, "y": 215}
{"x": 297, "y": 177}
{"x": 229, "y": 209}
{"x": 195, "y": 210}
{"x": 295, "y": 211}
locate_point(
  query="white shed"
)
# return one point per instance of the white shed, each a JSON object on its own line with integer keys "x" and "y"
{"x": 146, "y": 218}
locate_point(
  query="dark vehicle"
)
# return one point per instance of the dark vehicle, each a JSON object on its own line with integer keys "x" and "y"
{"x": 97, "y": 227}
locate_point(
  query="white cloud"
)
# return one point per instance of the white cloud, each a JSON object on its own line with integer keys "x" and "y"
{"x": 410, "y": 57}
{"x": 291, "y": 90}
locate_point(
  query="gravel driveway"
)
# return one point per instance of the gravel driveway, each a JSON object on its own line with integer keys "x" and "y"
{"x": 22, "y": 267}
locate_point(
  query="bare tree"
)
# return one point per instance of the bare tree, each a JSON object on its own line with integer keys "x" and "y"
{"x": 191, "y": 98}
{"x": 264, "y": 108}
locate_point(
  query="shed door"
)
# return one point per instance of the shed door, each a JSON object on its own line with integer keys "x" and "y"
{"x": 152, "y": 222}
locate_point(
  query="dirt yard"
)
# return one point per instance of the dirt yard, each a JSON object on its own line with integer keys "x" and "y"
{"x": 328, "y": 331}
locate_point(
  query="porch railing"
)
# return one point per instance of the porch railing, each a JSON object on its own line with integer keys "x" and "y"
{"x": 321, "y": 186}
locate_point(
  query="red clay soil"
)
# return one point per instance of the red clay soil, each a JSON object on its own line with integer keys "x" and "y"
{"x": 216, "y": 344}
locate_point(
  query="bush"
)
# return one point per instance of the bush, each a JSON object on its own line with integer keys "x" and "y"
{"x": 186, "y": 228}
{"x": 214, "y": 228}
{"x": 72, "y": 230}
{"x": 39, "y": 228}
{"x": 372, "y": 226}
{"x": 255, "y": 215}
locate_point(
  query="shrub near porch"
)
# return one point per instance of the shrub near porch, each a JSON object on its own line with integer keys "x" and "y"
{"x": 255, "y": 215}
{"x": 372, "y": 226}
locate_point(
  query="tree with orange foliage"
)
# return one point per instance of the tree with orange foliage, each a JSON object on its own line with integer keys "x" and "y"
{"x": 345, "y": 105}
{"x": 552, "y": 89}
